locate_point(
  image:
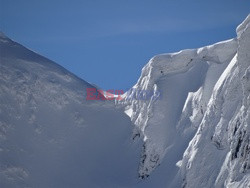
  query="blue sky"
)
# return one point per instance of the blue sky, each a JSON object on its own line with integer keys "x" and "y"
{"x": 108, "y": 42}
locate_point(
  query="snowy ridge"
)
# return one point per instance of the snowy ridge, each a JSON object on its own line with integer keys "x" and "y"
{"x": 201, "y": 96}
{"x": 29, "y": 66}
{"x": 225, "y": 125}
{"x": 193, "y": 132}
{"x": 50, "y": 136}
{"x": 188, "y": 72}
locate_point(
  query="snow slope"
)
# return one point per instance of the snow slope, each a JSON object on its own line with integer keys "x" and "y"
{"x": 50, "y": 136}
{"x": 192, "y": 132}
{"x": 220, "y": 147}
{"x": 200, "y": 122}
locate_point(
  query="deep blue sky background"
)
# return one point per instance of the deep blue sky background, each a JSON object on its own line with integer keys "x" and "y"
{"x": 108, "y": 42}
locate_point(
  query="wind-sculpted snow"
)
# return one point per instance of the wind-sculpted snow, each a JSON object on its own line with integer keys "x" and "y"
{"x": 219, "y": 153}
{"x": 202, "y": 95}
{"x": 194, "y": 125}
{"x": 188, "y": 74}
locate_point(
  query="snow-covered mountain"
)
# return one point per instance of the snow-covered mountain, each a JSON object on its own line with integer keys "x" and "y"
{"x": 192, "y": 132}
{"x": 50, "y": 136}
{"x": 199, "y": 127}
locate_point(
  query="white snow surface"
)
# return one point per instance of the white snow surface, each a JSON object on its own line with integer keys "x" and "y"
{"x": 198, "y": 130}
{"x": 50, "y": 136}
{"x": 194, "y": 131}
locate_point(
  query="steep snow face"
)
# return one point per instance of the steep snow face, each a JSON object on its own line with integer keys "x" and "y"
{"x": 50, "y": 136}
{"x": 219, "y": 153}
{"x": 184, "y": 81}
{"x": 202, "y": 112}
{"x": 195, "y": 123}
